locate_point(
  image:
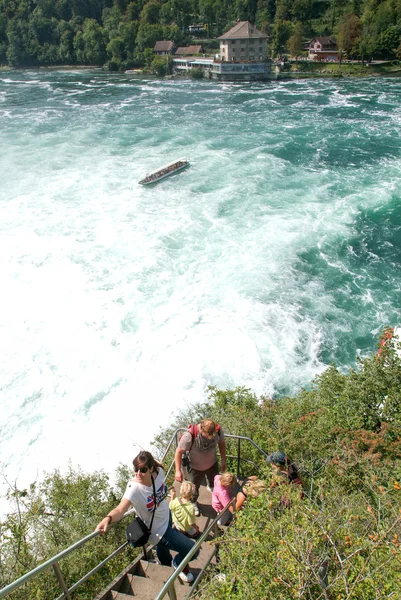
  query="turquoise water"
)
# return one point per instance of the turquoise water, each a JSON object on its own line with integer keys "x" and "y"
{"x": 275, "y": 254}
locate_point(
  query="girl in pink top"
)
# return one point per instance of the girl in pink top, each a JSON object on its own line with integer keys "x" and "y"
{"x": 223, "y": 492}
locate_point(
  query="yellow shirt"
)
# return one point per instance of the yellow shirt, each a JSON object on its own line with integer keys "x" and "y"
{"x": 183, "y": 513}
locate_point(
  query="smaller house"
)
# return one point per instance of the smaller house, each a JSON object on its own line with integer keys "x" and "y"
{"x": 163, "y": 47}
{"x": 188, "y": 50}
{"x": 323, "y": 49}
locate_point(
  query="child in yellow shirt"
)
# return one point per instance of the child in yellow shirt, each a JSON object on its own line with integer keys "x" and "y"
{"x": 183, "y": 511}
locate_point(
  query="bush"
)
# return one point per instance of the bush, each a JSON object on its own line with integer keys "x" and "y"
{"x": 196, "y": 73}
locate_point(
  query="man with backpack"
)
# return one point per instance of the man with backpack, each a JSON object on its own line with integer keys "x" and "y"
{"x": 197, "y": 452}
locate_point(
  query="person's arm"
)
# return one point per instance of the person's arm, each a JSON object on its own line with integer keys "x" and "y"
{"x": 222, "y": 448}
{"x": 241, "y": 497}
{"x": 114, "y": 515}
{"x": 178, "y": 464}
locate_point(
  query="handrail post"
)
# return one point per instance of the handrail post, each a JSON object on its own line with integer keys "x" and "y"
{"x": 61, "y": 581}
{"x": 238, "y": 455}
{"x": 171, "y": 593}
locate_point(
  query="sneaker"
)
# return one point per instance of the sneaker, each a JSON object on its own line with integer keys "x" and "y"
{"x": 209, "y": 489}
{"x": 186, "y": 576}
{"x": 197, "y": 511}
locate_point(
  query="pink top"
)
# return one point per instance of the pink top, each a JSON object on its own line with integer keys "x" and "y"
{"x": 221, "y": 495}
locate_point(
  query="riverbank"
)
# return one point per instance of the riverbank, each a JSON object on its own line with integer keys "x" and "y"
{"x": 304, "y": 69}
{"x": 294, "y": 70}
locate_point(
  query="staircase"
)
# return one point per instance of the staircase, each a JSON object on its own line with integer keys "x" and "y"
{"x": 143, "y": 579}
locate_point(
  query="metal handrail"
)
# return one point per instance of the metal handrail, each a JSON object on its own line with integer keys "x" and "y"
{"x": 168, "y": 586}
{"x": 54, "y": 560}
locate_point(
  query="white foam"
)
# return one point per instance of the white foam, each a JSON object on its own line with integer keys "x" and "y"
{"x": 120, "y": 303}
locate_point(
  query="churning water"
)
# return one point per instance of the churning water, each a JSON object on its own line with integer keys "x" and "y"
{"x": 277, "y": 252}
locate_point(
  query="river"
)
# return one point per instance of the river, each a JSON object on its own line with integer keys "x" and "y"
{"x": 276, "y": 253}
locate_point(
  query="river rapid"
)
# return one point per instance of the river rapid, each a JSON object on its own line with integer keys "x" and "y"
{"x": 276, "y": 253}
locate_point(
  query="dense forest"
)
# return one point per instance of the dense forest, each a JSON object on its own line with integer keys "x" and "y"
{"x": 119, "y": 34}
{"x": 341, "y": 541}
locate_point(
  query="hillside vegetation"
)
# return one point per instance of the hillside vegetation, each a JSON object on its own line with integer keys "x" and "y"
{"x": 340, "y": 542}
{"x": 121, "y": 34}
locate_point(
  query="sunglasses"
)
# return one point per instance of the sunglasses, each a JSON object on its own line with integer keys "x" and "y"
{"x": 141, "y": 469}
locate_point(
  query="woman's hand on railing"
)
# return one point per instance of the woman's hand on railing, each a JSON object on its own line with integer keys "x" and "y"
{"x": 104, "y": 524}
{"x": 115, "y": 515}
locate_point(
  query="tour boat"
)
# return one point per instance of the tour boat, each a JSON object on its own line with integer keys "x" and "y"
{"x": 165, "y": 171}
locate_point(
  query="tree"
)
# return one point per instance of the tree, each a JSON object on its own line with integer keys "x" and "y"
{"x": 112, "y": 18}
{"x": 283, "y": 11}
{"x": 161, "y": 65}
{"x": 281, "y": 35}
{"x": 302, "y": 10}
{"x": 66, "y": 47}
{"x": 47, "y": 517}
{"x": 132, "y": 12}
{"x": 295, "y": 41}
{"x": 94, "y": 42}
{"x": 349, "y": 30}
{"x": 245, "y": 10}
{"x": 389, "y": 41}
{"x": 150, "y": 13}
{"x": 148, "y": 35}
{"x": 207, "y": 13}
{"x": 128, "y": 32}
{"x": 18, "y": 53}
{"x": 116, "y": 50}
{"x": 79, "y": 47}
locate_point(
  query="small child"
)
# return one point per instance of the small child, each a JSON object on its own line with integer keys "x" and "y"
{"x": 183, "y": 511}
{"x": 223, "y": 492}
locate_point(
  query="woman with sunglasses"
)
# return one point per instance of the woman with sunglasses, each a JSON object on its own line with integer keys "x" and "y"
{"x": 140, "y": 495}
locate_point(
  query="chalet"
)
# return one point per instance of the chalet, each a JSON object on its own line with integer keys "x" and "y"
{"x": 163, "y": 47}
{"x": 323, "y": 49}
{"x": 242, "y": 54}
{"x": 188, "y": 50}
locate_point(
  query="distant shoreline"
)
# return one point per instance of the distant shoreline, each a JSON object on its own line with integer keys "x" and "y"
{"x": 312, "y": 71}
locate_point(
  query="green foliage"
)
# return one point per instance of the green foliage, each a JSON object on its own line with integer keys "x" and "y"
{"x": 281, "y": 34}
{"x": 295, "y": 42}
{"x": 196, "y": 73}
{"x": 161, "y": 65}
{"x": 339, "y": 546}
{"x": 39, "y": 32}
{"x": 341, "y": 541}
{"x": 48, "y": 517}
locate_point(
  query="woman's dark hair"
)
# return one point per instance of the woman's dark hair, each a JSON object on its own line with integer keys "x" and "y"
{"x": 146, "y": 459}
{"x": 292, "y": 472}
